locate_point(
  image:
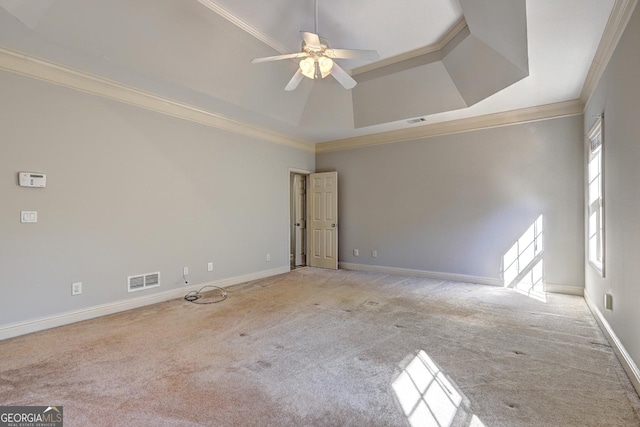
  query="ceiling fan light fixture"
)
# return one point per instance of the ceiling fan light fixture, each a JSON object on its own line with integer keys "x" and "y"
{"x": 326, "y": 65}
{"x": 315, "y": 68}
{"x": 308, "y": 67}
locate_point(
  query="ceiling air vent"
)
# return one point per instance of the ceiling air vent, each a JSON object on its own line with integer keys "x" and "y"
{"x": 412, "y": 121}
{"x": 143, "y": 281}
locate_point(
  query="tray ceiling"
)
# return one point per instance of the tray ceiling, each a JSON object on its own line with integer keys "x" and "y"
{"x": 187, "y": 52}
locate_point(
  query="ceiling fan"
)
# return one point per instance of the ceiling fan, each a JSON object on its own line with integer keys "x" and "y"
{"x": 318, "y": 59}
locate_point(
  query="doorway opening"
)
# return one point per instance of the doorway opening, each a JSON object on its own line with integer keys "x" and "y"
{"x": 298, "y": 219}
{"x": 313, "y": 219}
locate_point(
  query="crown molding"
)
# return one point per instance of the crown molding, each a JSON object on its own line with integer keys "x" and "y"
{"x": 620, "y": 15}
{"x": 25, "y": 65}
{"x": 525, "y": 115}
{"x": 210, "y": 4}
{"x": 425, "y": 50}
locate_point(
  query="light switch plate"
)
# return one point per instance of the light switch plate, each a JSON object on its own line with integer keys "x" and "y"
{"x": 28, "y": 216}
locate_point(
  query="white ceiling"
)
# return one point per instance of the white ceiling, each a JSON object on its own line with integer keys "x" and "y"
{"x": 371, "y": 24}
{"x": 184, "y": 51}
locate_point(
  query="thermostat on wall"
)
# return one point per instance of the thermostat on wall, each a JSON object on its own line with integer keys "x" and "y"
{"x": 32, "y": 179}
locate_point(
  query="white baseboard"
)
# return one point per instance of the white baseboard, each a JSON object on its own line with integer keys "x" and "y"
{"x": 423, "y": 273}
{"x": 548, "y": 287}
{"x": 556, "y": 288}
{"x": 627, "y": 362}
{"x": 22, "y": 328}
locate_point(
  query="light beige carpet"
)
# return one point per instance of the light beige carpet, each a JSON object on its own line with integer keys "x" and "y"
{"x": 330, "y": 348}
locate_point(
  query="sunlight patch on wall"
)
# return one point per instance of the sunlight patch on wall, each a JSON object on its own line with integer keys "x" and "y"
{"x": 523, "y": 266}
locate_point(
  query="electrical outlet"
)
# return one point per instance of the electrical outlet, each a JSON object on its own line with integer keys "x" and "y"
{"x": 356, "y": 252}
{"x": 210, "y": 266}
{"x": 76, "y": 288}
{"x": 268, "y": 258}
{"x": 374, "y": 254}
{"x": 185, "y": 271}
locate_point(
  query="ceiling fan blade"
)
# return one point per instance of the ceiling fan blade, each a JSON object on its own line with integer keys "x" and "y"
{"x": 342, "y": 77}
{"x": 312, "y": 40}
{"x": 352, "y": 54}
{"x": 279, "y": 57}
{"x": 295, "y": 81}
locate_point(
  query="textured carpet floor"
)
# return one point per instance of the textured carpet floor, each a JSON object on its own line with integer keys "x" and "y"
{"x": 330, "y": 348}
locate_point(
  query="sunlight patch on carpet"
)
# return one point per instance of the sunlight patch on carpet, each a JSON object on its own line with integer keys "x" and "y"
{"x": 428, "y": 398}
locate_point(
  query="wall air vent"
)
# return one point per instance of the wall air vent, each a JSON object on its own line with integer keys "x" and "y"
{"x": 143, "y": 281}
{"x": 152, "y": 279}
{"x": 412, "y": 121}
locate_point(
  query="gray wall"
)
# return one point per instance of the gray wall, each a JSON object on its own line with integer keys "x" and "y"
{"x": 129, "y": 191}
{"x": 456, "y": 203}
{"x": 618, "y": 96}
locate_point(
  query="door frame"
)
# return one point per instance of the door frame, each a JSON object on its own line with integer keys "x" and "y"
{"x": 306, "y": 173}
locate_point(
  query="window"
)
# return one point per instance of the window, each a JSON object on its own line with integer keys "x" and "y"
{"x": 596, "y": 198}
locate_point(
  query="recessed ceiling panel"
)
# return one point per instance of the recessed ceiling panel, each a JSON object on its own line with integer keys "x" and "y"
{"x": 478, "y": 71}
{"x": 29, "y": 13}
{"x": 501, "y": 24}
{"x": 329, "y": 106}
{"x": 414, "y": 92}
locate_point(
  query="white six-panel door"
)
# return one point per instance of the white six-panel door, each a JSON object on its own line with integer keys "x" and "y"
{"x": 322, "y": 211}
